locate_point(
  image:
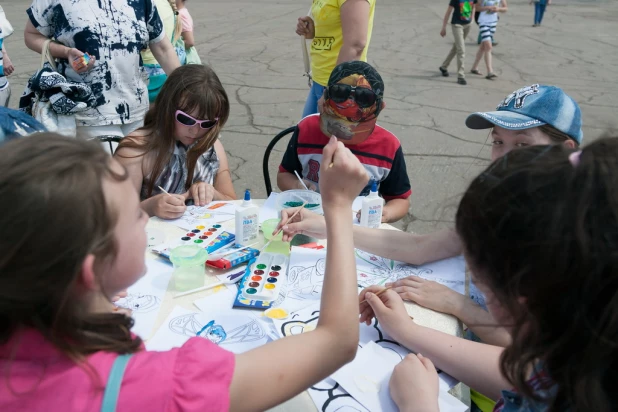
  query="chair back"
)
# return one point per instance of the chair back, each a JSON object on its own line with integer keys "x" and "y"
{"x": 269, "y": 149}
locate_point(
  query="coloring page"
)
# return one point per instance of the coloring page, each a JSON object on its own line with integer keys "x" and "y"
{"x": 328, "y": 395}
{"x": 212, "y": 213}
{"x": 305, "y": 278}
{"x": 145, "y": 296}
{"x": 221, "y": 300}
{"x": 376, "y": 270}
{"x": 234, "y": 330}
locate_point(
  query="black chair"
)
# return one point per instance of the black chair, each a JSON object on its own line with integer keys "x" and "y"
{"x": 109, "y": 139}
{"x": 269, "y": 149}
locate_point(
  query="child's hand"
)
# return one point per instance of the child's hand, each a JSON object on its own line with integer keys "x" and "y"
{"x": 310, "y": 185}
{"x": 305, "y": 27}
{"x": 169, "y": 206}
{"x": 388, "y": 308}
{"x": 342, "y": 177}
{"x": 305, "y": 222}
{"x": 429, "y": 294}
{"x": 8, "y": 65}
{"x": 202, "y": 193}
{"x": 443, "y": 32}
{"x": 414, "y": 384}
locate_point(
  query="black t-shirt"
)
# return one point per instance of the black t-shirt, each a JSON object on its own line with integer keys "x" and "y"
{"x": 462, "y": 11}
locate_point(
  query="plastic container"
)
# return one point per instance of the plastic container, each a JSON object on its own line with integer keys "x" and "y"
{"x": 277, "y": 245}
{"x": 295, "y": 198}
{"x": 189, "y": 267}
{"x": 247, "y": 221}
{"x": 371, "y": 212}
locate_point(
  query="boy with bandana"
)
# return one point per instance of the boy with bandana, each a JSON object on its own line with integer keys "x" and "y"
{"x": 349, "y": 110}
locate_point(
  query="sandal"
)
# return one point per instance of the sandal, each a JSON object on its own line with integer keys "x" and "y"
{"x": 474, "y": 71}
{"x": 491, "y": 76}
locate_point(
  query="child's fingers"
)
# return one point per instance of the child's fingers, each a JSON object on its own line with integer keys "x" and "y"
{"x": 175, "y": 200}
{"x": 201, "y": 194}
{"x": 328, "y": 153}
{"x": 427, "y": 363}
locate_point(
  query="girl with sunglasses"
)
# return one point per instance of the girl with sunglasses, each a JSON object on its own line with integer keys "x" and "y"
{"x": 178, "y": 149}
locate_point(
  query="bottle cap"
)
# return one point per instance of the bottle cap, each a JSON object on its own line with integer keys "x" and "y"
{"x": 247, "y": 195}
{"x": 374, "y": 186}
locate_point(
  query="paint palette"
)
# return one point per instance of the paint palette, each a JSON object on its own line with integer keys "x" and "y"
{"x": 201, "y": 234}
{"x": 266, "y": 278}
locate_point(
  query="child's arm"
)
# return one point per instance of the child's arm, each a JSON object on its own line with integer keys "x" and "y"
{"x": 187, "y": 36}
{"x": 449, "y": 11}
{"x": 395, "y": 209}
{"x": 163, "y": 205}
{"x": 440, "y": 298}
{"x": 292, "y": 364}
{"x": 503, "y": 7}
{"x": 6, "y": 61}
{"x": 475, "y": 364}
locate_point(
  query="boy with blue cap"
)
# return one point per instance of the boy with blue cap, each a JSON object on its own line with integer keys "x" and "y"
{"x": 532, "y": 115}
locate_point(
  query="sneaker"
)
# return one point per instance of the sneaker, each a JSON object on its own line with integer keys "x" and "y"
{"x": 443, "y": 71}
{"x": 461, "y": 80}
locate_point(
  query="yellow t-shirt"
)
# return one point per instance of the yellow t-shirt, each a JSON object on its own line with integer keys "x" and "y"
{"x": 329, "y": 38}
{"x": 166, "y": 13}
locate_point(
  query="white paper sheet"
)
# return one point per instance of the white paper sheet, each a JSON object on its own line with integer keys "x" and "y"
{"x": 269, "y": 208}
{"x": 222, "y": 300}
{"x": 328, "y": 393}
{"x": 145, "y": 296}
{"x": 376, "y": 270}
{"x": 234, "y": 330}
{"x": 367, "y": 379}
{"x": 205, "y": 215}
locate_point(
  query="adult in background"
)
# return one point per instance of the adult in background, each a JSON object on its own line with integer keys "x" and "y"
{"x": 462, "y": 12}
{"x": 111, "y": 33}
{"x": 488, "y": 20}
{"x": 6, "y": 66}
{"x": 341, "y": 31}
{"x": 539, "y": 10}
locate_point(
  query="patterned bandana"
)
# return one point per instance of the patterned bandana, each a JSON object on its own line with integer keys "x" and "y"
{"x": 346, "y": 120}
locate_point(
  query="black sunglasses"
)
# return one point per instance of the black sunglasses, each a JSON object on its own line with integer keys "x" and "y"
{"x": 339, "y": 93}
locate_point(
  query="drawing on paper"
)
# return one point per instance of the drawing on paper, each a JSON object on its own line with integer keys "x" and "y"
{"x": 297, "y": 327}
{"x": 376, "y": 270}
{"x": 304, "y": 283}
{"x": 139, "y": 303}
{"x": 332, "y": 398}
{"x": 190, "y": 325}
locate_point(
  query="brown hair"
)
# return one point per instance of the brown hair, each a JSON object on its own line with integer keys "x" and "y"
{"x": 54, "y": 214}
{"x": 538, "y": 228}
{"x": 188, "y": 88}
{"x": 555, "y": 135}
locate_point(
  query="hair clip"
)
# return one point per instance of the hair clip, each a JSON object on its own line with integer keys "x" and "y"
{"x": 575, "y": 158}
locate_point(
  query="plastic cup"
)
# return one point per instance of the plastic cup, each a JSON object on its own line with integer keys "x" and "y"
{"x": 268, "y": 227}
{"x": 189, "y": 267}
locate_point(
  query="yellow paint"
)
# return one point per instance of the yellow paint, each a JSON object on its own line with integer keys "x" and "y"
{"x": 206, "y": 216}
{"x": 269, "y": 286}
{"x": 201, "y": 227}
{"x": 276, "y": 313}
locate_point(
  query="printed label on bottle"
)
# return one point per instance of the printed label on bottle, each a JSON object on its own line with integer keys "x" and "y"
{"x": 249, "y": 228}
{"x": 374, "y": 218}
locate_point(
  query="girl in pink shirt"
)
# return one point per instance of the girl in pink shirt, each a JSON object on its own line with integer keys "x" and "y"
{"x": 73, "y": 236}
{"x": 187, "y": 24}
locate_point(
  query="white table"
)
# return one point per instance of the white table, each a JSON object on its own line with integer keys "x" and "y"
{"x": 302, "y": 402}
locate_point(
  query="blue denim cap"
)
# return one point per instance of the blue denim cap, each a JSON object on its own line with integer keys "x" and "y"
{"x": 533, "y": 106}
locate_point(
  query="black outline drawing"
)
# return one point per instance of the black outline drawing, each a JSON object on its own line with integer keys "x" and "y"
{"x": 189, "y": 325}
{"x": 139, "y": 303}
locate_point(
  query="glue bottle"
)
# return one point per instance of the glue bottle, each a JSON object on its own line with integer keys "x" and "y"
{"x": 371, "y": 212}
{"x": 247, "y": 221}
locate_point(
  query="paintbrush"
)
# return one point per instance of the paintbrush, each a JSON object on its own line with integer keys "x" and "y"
{"x": 188, "y": 292}
{"x": 301, "y": 180}
{"x": 286, "y": 222}
{"x": 378, "y": 294}
{"x": 164, "y": 191}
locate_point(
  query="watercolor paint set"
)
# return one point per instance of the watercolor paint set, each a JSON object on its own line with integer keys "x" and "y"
{"x": 199, "y": 236}
{"x": 265, "y": 280}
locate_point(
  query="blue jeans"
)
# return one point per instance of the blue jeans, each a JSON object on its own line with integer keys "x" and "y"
{"x": 311, "y": 105}
{"x": 539, "y": 10}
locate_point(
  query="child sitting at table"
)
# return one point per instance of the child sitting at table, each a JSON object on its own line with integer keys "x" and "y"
{"x": 540, "y": 229}
{"x": 178, "y": 150}
{"x": 78, "y": 237}
{"x": 351, "y": 104}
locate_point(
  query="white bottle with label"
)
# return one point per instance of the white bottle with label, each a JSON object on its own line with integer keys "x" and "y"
{"x": 247, "y": 221}
{"x": 371, "y": 212}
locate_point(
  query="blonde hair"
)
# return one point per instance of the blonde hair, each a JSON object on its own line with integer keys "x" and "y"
{"x": 177, "y": 23}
